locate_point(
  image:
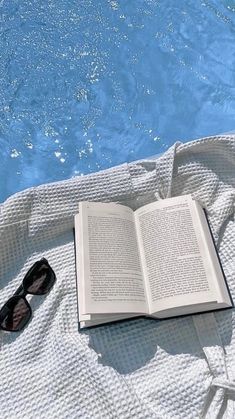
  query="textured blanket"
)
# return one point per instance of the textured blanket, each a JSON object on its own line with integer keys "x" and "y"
{"x": 141, "y": 368}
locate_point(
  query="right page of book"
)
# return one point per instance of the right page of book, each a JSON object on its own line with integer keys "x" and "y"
{"x": 177, "y": 263}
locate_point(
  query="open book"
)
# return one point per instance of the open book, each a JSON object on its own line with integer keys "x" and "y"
{"x": 158, "y": 261}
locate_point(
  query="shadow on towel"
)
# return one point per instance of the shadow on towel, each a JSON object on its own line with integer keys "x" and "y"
{"x": 130, "y": 345}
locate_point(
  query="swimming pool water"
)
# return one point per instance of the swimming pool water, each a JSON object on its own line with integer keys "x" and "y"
{"x": 89, "y": 84}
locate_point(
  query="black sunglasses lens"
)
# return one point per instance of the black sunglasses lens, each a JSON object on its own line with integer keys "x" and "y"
{"x": 40, "y": 279}
{"x": 15, "y": 314}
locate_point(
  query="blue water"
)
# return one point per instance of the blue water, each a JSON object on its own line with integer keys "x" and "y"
{"x": 88, "y": 84}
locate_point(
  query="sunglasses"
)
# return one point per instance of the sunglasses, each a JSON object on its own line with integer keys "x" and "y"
{"x": 16, "y": 312}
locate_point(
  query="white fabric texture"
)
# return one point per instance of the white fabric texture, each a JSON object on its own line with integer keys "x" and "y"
{"x": 141, "y": 368}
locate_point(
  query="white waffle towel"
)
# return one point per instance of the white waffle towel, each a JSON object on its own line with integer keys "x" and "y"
{"x": 180, "y": 368}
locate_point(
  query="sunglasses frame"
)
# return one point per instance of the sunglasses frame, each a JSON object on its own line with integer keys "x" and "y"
{"x": 21, "y": 292}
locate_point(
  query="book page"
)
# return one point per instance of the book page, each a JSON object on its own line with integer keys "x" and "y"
{"x": 214, "y": 268}
{"x": 111, "y": 271}
{"x": 174, "y": 266}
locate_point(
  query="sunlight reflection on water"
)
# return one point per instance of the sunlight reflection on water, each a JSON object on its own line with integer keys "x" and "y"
{"x": 90, "y": 84}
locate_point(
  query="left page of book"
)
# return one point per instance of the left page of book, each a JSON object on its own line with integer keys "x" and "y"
{"x": 110, "y": 275}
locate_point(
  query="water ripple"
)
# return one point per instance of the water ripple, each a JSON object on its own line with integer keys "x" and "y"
{"x": 90, "y": 84}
